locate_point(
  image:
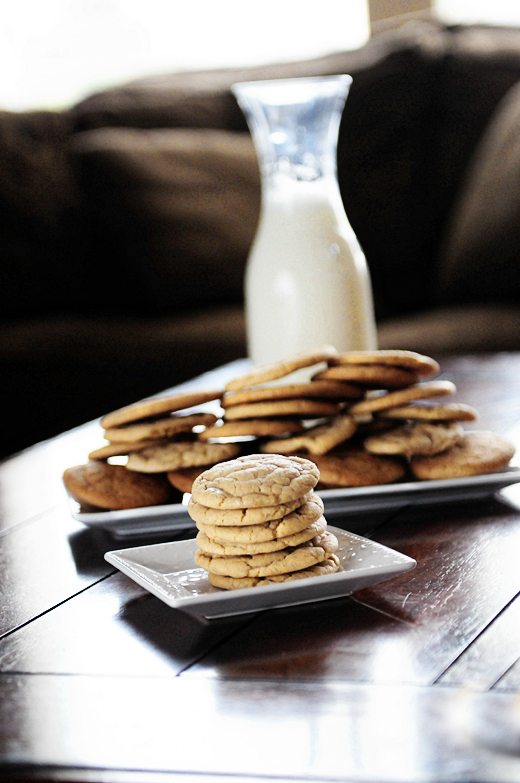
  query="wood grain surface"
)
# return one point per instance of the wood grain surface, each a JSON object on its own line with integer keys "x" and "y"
{"x": 415, "y": 679}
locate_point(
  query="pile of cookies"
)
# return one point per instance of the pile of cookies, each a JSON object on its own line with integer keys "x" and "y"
{"x": 379, "y": 418}
{"x": 158, "y": 439}
{"x": 260, "y": 522}
{"x": 363, "y": 417}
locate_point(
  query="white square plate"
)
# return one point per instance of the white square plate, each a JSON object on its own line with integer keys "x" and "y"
{"x": 135, "y": 522}
{"x": 170, "y": 573}
{"x": 339, "y": 503}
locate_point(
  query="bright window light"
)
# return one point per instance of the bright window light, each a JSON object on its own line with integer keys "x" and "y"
{"x": 498, "y": 12}
{"x": 54, "y": 52}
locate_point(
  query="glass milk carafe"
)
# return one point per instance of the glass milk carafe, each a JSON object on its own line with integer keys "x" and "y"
{"x": 307, "y": 283}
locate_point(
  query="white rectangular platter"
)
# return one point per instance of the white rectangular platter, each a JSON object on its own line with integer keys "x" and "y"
{"x": 339, "y": 503}
{"x": 169, "y": 572}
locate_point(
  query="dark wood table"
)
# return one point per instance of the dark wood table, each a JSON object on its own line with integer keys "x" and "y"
{"x": 416, "y": 679}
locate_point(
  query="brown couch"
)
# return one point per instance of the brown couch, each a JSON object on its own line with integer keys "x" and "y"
{"x": 125, "y": 222}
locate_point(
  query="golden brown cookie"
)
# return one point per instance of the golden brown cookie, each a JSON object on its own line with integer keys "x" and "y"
{"x": 418, "y": 362}
{"x": 324, "y": 390}
{"x": 298, "y": 520}
{"x": 154, "y": 429}
{"x": 427, "y": 411}
{"x": 228, "y": 548}
{"x": 180, "y": 454}
{"x": 477, "y": 452}
{"x": 379, "y": 376}
{"x": 316, "y": 440}
{"x": 280, "y": 369}
{"x": 414, "y": 438}
{"x": 255, "y": 480}
{"x": 121, "y": 449}
{"x": 257, "y": 428}
{"x": 114, "y": 487}
{"x": 283, "y": 561}
{"x": 183, "y": 478}
{"x": 307, "y": 409}
{"x": 328, "y": 566}
{"x": 393, "y": 399}
{"x": 244, "y": 516}
{"x": 353, "y": 467}
{"x": 145, "y": 409}
{"x": 367, "y": 425}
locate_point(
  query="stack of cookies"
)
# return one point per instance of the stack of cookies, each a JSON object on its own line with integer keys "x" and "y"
{"x": 160, "y": 435}
{"x": 363, "y": 417}
{"x": 398, "y": 405}
{"x": 367, "y": 417}
{"x": 260, "y": 522}
{"x": 261, "y": 404}
{"x": 158, "y": 439}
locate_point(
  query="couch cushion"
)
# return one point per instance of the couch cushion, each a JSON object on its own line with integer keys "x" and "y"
{"x": 203, "y": 99}
{"x": 479, "y": 66}
{"x": 385, "y": 163}
{"x": 479, "y": 262}
{"x": 60, "y": 372}
{"x": 43, "y": 268}
{"x": 177, "y": 210}
{"x": 457, "y": 329}
{"x": 385, "y": 156}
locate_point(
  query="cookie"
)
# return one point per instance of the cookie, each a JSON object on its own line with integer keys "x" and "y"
{"x": 121, "y": 449}
{"x": 366, "y": 425}
{"x": 280, "y": 369}
{"x": 308, "y": 409}
{"x": 228, "y": 548}
{"x": 393, "y": 399}
{"x": 316, "y": 440}
{"x": 413, "y": 438}
{"x": 477, "y": 452}
{"x": 283, "y": 561}
{"x": 379, "y": 376}
{"x": 289, "y": 525}
{"x": 418, "y": 362}
{"x": 325, "y": 390}
{"x": 114, "y": 487}
{"x": 154, "y": 429}
{"x": 244, "y": 516}
{"x": 426, "y": 411}
{"x": 255, "y": 480}
{"x": 257, "y": 428}
{"x": 354, "y": 467}
{"x": 180, "y": 454}
{"x": 183, "y": 478}
{"x": 157, "y": 406}
{"x": 328, "y": 566}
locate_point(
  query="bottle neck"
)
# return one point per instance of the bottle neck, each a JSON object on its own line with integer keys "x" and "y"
{"x": 278, "y": 169}
{"x": 288, "y": 193}
{"x": 294, "y": 124}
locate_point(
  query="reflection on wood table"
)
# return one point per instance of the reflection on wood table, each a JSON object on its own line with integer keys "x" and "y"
{"x": 413, "y": 679}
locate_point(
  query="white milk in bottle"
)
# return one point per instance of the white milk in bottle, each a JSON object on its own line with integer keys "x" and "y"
{"x": 307, "y": 284}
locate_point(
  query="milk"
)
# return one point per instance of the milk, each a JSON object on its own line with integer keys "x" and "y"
{"x": 307, "y": 283}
